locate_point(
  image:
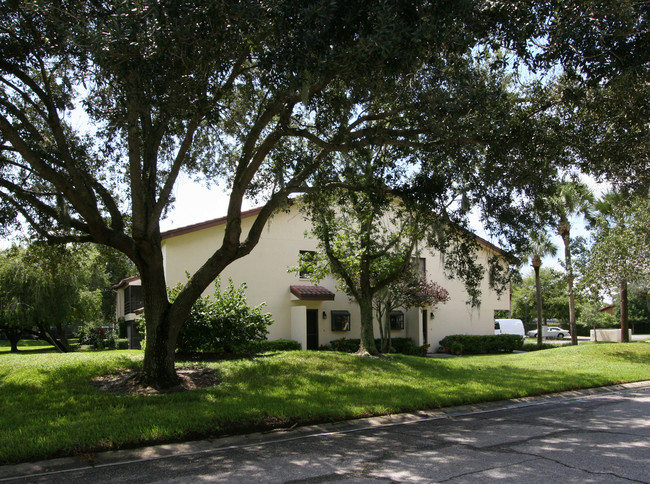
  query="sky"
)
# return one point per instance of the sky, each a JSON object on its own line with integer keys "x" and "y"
{"x": 196, "y": 203}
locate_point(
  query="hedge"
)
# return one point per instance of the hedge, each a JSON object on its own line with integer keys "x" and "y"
{"x": 470, "y": 344}
{"x": 537, "y": 347}
{"x": 264, "y": 346}
{"x": 405, "y": 346}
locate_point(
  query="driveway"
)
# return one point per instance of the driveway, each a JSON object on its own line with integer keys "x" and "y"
{"x": 591, "y": 436}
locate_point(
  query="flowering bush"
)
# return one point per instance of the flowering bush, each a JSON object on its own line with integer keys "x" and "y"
{"x": 98, "y": 337}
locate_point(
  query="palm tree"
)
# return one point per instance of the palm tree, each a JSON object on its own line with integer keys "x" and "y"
{"x": 540, "y": 246}
{"x": 571, "y": 198}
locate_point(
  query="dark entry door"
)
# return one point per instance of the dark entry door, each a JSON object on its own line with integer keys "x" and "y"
{"x": 425, "y": 330}
{"x": 312, "y": 329}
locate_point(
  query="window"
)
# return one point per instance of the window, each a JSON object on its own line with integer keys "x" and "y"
{"x": 132, "y": 299}
{"x": 340, "y": 321}
{"x": 306, "y": 254}
{"x": 396, "y": 320}
{"x": 422, "y": 265}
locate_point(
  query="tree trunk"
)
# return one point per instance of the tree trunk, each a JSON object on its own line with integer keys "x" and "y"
{"x": 564, "y": 232}
{"x": 163, "y": 319}
{"x": 625, "y": 334}
{"x": 158, "y": 370}
{"x": 62, "y": 337}
{"x": 367, "y": 345}
{"x": 13, "y": 335}
{"x": 382, "y": 335}
{"x": 47, "y": 336}
{"x": 389, "y": 342}
{"x": 538, "y": 289}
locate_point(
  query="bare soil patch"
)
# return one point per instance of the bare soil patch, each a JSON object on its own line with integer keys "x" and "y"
{"x": 128, "y": 382}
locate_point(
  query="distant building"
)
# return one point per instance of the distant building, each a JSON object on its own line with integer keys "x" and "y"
{"x": 609, "y": 309}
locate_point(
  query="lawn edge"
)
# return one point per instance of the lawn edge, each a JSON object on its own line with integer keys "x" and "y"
{"x": 151, "y": 452}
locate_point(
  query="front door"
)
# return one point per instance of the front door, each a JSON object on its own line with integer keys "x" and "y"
{"x": 312, "y": 329}
{"x": 424, "y": 326}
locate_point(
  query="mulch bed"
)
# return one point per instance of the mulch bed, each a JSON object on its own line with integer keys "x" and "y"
{"x": 127, "y": 382}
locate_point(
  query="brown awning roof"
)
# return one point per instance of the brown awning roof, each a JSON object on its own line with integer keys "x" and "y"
{"x": 312, "y": 293}
{"x": 125, "y": 282}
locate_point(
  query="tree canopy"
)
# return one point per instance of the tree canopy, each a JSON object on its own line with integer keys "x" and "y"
{"x": 603, "y": 48}
{"x": 620, "y": 249}
{"x": 44, "y": 287}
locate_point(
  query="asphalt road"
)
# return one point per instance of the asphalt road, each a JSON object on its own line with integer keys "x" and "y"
{"x": 592, "y": 436}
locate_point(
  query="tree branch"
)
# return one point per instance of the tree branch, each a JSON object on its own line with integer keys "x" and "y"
{"x": 163, "y": 197}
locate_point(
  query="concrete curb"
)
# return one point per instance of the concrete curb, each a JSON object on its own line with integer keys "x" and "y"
{"x": 112, "y": 458}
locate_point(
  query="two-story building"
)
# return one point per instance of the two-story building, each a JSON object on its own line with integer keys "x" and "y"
{"x": 315, "y": 315}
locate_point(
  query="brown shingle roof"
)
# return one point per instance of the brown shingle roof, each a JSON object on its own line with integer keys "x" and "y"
{"x": 207, "y": 224}
{"x": 312, "y": 293}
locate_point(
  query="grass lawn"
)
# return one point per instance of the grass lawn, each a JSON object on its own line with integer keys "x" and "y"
{"x": 51, "y": 408}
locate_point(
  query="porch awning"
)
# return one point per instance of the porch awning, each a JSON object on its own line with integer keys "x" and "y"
{"x": 312, "y": 293}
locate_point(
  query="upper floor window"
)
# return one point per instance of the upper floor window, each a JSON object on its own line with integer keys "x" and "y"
{"x": 422, "y": 267}
{"x": 304, "y": 274}
{"x": 132, "y": 299}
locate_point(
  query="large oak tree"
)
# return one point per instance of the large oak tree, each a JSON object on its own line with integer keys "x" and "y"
{"x": 104, "y": 103}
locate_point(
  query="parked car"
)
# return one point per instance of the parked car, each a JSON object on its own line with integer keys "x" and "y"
{"x": 509, "y": 326}
{"x": 553, "y": 332}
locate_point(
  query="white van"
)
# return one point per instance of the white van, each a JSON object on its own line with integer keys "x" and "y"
{"x": 509, "y": 326}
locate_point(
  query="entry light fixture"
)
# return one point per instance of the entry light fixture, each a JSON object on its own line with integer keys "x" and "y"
{"x": 324, "y": 315}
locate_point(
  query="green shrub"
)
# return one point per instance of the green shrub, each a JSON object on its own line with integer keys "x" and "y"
{"x": 98, "y": 337}
{"x": 404, "y": 346}
{"x": 222, "y": 323}
{"x": 536, "y": 347}
{"x": 479, "y": 344}
{"x": 456, "y": 348}
{"x": 345, "y": 345}
{"x": 264, "y": 346}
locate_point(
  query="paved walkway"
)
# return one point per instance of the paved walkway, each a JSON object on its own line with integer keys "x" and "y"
{"x": 599, "y": 435}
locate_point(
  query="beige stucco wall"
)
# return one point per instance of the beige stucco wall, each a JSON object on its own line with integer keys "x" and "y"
{"x": 265, "y": 272}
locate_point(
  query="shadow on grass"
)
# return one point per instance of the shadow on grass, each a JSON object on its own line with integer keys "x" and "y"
{"x": 183, "y": 358}
{"x": 29, "y": 351}
{"x": 630, "y": 357}
{"x": 54, "y": 410}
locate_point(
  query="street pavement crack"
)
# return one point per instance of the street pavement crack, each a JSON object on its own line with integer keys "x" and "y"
{"x": 479, "y": 471}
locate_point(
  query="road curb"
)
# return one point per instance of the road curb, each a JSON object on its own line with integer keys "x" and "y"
{"x": 112, "y": 458}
